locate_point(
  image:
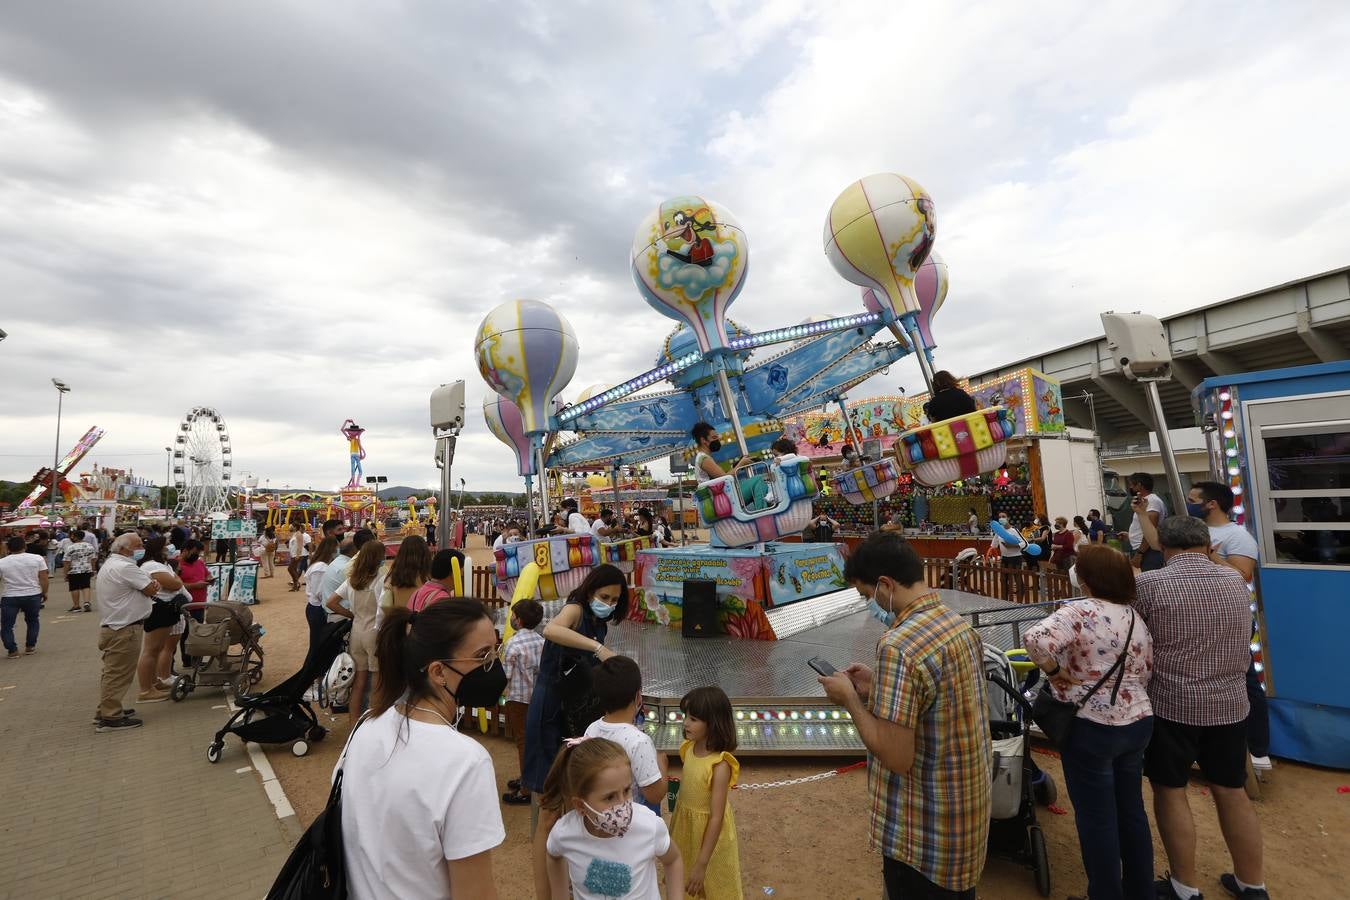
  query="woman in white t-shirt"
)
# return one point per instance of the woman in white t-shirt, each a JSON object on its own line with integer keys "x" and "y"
{"x": 358, "y": 598}
{"x": 298, "y": 546}
{"x": 156, "y": 663}
{"x": 315, "y": 616}
{"x": 419, "y": 800}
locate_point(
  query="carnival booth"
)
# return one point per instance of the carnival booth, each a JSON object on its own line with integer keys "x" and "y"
{"x": 1281, "y": 440}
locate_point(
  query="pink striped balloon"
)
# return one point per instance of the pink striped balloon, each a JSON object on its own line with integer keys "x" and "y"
{"x": 504, "y": 421}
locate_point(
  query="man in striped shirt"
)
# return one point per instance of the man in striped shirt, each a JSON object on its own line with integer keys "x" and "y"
{"x": 520, "y": 659}
{"x": 921, "y": 713}
{"x": 1199, "y": 616}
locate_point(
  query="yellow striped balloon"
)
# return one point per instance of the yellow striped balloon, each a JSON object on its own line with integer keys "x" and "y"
{"x": 878, "y": 233}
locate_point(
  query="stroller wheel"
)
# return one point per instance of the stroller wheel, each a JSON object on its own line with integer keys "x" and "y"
{"x": 316, "y": 733}
{"x": 300, "y": 748}
{"x": 255, "y": 676}
{"x": 1040, "y": 860}
{"x": 181, "y": 688}
{"x": 213, "y": 751}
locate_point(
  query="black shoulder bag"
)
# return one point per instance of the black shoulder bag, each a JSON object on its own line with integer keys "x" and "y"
{"x": 316, "y": 867}
{"x": 1055, "y": 716}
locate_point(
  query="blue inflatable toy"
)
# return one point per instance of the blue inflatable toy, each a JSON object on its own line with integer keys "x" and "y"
{"x": 1010, "y": 537}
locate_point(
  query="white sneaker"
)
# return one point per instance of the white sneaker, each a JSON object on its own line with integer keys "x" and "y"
{"x": 1262, "y": 763}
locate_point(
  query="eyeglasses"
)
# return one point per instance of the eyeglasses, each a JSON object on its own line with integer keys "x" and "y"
{"x": 487, "y": 660}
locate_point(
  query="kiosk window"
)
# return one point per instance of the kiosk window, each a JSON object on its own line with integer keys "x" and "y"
{"x": 1307, "y": 474}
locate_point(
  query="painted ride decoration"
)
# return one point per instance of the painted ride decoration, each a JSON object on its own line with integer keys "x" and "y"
{"x": 689, "y": 262}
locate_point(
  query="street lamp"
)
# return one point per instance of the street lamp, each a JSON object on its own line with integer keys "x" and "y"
{"x": 164, "y": 497}
{"x": 461, "y": 493}
{"x": 61, "y": 390}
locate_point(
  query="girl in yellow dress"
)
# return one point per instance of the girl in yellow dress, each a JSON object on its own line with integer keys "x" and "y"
{"x": 703, "y": 826}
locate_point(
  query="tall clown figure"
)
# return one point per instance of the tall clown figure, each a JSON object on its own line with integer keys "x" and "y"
{"x": 352, "y": 432}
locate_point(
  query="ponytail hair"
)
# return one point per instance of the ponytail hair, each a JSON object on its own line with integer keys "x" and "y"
{"x": 574, "y": 770}
{"x": 410, "y": 641}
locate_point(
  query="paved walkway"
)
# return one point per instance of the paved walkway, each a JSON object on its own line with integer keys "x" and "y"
{"x": 134, "y": 814}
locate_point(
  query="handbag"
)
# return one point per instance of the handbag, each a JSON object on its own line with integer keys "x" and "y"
{"x": 316, "y": 867}
{"x": 1055, "y": 716}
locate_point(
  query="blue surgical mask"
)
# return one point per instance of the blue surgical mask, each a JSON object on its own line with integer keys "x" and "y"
{"x": 881, "y": 614}
{"x": 1196, "y": 509}
{"x": 601, "y": 609}
{"x": 138, "y": 555}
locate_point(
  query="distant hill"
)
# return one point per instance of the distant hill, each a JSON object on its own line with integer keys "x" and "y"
{"x": 402, "y": 492}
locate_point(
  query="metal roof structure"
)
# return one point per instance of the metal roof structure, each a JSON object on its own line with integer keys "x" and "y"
{"x": 1297, "y": 323}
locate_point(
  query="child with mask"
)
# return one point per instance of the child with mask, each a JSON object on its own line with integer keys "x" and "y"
{"x": 603, "y": 843}
{"x": 520, "y": 658}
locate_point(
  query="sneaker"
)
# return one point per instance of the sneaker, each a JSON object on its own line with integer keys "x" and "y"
{"x": 122, "y": 724}
{"x": 1262, "y": 763}
{"x": 13, "y": 654}
{"x": 1229, "y": 882}
{"x": 152, "y": 696}
{"x": 29, "y": 651}
{"x": 88, "y": 608}
{"x": 1166, "y": 892}
{"x": 125, "y": 714}
{"x": 515, "y": 799}
{"x": 165, "y": 683}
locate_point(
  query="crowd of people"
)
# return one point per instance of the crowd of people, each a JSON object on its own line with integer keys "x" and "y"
{"x": 1154, "y": 657}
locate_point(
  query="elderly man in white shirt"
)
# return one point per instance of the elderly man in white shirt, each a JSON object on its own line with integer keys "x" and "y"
{"x": 124, "y": 592}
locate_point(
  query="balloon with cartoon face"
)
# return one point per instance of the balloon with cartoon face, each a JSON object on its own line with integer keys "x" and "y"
{"x": 878, "y": 233}
{"x": 689, "y": 262}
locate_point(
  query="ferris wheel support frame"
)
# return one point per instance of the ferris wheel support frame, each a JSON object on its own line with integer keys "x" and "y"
{"x": 201, "y": 477}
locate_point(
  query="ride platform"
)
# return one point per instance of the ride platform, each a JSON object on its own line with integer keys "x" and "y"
{"x": 779, "y": 705}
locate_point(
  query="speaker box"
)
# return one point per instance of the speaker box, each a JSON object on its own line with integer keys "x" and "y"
{"x": 700, "y": 609}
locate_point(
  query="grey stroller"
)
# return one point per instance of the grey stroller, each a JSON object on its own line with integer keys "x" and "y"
{"x": 225, "y": 648}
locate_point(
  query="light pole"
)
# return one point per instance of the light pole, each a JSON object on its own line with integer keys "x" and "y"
{"x": 168, "y": 460}
{"x": 61, "y": 390}
{"x": 461, "y": 494}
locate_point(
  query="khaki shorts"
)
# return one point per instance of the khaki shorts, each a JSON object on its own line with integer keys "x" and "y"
{"x": 361, "y": 645}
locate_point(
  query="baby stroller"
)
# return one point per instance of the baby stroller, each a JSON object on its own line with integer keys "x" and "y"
{"x": 224, "y": 626}
{"x": 281, "y": 715}
{"x": 1018, "y": 782}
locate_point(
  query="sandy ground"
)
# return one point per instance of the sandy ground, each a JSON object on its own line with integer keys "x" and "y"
{"x": 810, "y": 840}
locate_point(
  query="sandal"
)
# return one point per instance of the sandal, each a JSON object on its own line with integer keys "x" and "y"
{"x": 515, "y": 798}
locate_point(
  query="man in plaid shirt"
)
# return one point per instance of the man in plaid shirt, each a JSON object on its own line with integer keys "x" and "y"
{"x": 1199, "y": 615}
{"x": 521, "y": 662}
{"x": 922, "y": 715}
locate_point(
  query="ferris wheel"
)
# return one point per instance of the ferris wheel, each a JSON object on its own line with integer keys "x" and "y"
{"x": 201, "y": 463}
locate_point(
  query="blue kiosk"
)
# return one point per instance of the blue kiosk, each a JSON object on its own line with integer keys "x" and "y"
{"x": 1281, "y": 440}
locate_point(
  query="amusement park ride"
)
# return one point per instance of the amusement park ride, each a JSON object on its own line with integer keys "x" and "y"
{"x": 689, "y": 262}
{"x": 42, "y": 481}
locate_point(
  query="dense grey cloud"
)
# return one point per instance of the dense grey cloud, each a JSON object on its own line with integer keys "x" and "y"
{"x": 298, "y": 212}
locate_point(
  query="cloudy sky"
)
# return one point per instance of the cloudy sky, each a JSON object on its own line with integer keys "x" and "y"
{"x": 296, "y": 212}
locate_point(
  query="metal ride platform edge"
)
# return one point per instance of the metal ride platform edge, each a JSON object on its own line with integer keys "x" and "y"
{"x": 779, "y": 705}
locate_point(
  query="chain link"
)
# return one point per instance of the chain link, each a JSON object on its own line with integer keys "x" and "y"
{"x": 820, "y": 776}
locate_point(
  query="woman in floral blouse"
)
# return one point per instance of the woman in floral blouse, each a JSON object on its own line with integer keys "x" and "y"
{"x": 1103, "y": 754}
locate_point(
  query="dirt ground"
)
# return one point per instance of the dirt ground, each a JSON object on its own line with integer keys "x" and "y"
{"x": 810, "y": 840}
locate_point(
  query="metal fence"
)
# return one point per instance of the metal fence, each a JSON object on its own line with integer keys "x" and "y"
{"x": 974, "y": 577}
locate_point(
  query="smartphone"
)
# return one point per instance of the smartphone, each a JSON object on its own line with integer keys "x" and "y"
{"x": 821, "y": 666}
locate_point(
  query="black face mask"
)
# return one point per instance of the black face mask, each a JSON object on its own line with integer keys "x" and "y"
{"x": 480, "y": 688}
{"x": 191, "y": 557}
{"x": 714, "y": 445}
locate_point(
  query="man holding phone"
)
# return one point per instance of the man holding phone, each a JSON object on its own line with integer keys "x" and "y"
{"x": 921, "y": 713}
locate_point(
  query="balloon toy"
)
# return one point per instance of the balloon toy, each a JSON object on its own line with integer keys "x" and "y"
{"x": 1013, "y": 539}
{"x": 878, "y": 234}
{"x": 527, "y": 353}
{"x": 504, "y": 421}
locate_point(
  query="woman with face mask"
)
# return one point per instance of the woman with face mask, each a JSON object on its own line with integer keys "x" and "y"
{"x": 419, "y": 810}
{"x": 752, "y": 490}
{"x": 562, "y": 704}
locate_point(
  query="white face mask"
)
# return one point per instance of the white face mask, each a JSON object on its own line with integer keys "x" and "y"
{"x": 614, "y": 821}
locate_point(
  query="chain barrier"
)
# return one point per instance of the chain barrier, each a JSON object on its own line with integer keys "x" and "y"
{"x": 820, "y": 776}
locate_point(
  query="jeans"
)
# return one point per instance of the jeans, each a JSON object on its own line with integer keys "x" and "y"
{"x": 1103, "y": 770}
{"x": 10, "y": 608}
{"x": 318, "y": 620}
{"x": 906, "y": 883}
{"x": 1258, "y": 719}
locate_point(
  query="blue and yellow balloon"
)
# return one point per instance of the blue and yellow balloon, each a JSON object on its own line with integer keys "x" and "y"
{"x": 527, "y": 353}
